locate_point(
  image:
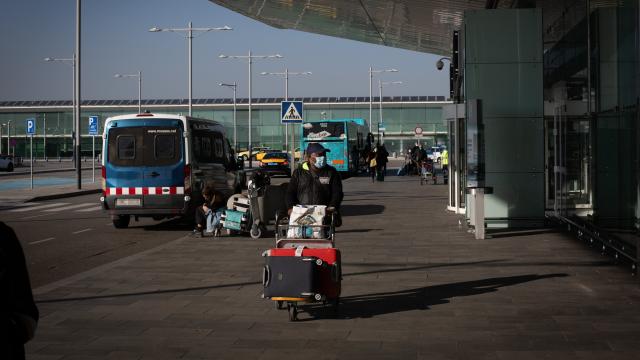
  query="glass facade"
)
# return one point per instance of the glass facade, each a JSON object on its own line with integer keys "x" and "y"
{"x": 591, "y": 112}
{"x": 54, "y": 125}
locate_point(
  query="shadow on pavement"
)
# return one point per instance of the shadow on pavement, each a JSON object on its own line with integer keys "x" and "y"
{"x": 210, "y": 287}
{"x": 521, "y": 232}
{"x": 175, "y": 224}
{"x": 360, "y": 210}
{"x": 340, "y": 231}
{"x": 366, "y": 306}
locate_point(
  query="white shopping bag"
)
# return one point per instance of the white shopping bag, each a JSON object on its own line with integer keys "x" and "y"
{"x": 302, "y": 221}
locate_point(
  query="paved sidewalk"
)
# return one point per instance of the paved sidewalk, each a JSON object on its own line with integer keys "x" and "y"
{"x": 416, "y": 286}
{"x": 15, "y": 197}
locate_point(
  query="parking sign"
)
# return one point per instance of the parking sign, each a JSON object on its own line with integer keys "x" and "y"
{"x": 31, "y": 126}
{"x": 93, "y": 125}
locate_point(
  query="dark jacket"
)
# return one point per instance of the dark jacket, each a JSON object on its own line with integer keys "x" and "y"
{"x": 18, "y": 312}
{"x": 309, "y": 188}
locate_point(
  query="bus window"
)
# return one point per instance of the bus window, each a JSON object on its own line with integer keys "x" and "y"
{"x": 322, "y": 130}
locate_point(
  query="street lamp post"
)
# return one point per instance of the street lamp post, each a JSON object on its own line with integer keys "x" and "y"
{"x": 380, "y": 84}
{"x": 72, "y": 62}
{"x": 139, "y": 76}
{"x": 371, "y": 72}
{"x": 235, "y": 128}
{"x": 286, "y": 75}
{"x": 189, "y": 32}
{"x": 9, "y": 138}
{"x": 250, "y": 58}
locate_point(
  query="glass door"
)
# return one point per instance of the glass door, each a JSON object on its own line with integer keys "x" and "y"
{"x": 568, "y": 156}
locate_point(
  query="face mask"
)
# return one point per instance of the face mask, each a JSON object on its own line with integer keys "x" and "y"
{"x": 321, "y": 161}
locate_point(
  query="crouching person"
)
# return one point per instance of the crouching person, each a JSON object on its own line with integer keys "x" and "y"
{"x": 209, "y": 213}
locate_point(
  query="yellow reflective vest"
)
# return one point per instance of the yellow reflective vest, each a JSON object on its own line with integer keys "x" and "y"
{"x": 445, "y": 157}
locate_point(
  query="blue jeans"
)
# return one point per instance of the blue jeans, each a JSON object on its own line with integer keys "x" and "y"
{"x": 213, "y": 219}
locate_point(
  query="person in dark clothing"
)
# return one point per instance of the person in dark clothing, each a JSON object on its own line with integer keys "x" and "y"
{"x": 381, "y": 161}
{"x": 209, "y": 213}
{"x": 19, "y": 314}
{"x": 315, "y": 183}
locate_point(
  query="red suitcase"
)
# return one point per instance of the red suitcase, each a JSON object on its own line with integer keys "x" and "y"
{"x": 329, "y": 277}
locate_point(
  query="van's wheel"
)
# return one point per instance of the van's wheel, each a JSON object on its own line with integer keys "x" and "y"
{"x": 293, "y": 312}
{"x": 10, "y": 167}
{"x": 122, "y": 221}
{"x": 256, "y": 231}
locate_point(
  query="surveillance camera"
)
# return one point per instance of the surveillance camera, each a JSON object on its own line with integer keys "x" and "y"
{"x": 440, "y": 64}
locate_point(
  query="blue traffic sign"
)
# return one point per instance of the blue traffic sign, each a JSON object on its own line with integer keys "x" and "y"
{"x": 291, "y": 112}
{"x": 31, "y": 126}
{"x": 93, "y": 125}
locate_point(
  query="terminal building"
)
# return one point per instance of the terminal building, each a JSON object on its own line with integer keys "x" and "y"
{"x": 546, "y": 100}
{"x": 544, "y": 111}
{"x": 401, "y": 115}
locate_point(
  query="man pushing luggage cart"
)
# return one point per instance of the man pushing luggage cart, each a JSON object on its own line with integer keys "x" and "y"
{"x": 305, "y": 265}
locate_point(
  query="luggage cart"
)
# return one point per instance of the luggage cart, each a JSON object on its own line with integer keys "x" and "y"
{"x": 426, "y": 173}
{"x": 252, "y": 213}
{"x": 328, "y": 273}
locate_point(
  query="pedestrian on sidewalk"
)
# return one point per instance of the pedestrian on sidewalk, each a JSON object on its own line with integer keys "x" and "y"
{"x": 372, "y": 164}
{"x": 382, "y": 157}
{"x": 18, "y": 313}
{"x": 209, "y": 213}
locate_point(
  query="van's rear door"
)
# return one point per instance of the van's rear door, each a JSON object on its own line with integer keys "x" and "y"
{"x": 125, "y": 159}
{"x": 163, "y": 171}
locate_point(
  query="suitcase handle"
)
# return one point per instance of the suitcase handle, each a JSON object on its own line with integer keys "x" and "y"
{"x": 335, "y": 273}
{"x": 266, "y": 276}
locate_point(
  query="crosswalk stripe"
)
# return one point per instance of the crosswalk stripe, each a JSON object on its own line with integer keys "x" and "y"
{"x": 99, "y": 207}
{"x": 38, "y": 207}
{"x": 70, "y": 207}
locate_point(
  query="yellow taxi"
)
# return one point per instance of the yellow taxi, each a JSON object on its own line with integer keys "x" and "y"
{"x": 276, "y": 163}
{"x": 257, "y": 153}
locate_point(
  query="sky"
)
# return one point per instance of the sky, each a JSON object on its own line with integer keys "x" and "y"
{"x": 115, "y": 39}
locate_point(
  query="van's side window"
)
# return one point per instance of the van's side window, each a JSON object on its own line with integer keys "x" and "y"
{"x": 126, "y": 147}
{"x": 206, "y": 149}
{"x": 219, "y": 147}
{"x": 165, "y": 147}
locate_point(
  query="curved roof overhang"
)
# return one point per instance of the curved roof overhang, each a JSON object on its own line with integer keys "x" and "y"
{"x": 418, "y": 25}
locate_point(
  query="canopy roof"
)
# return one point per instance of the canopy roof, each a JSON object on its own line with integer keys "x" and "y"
{"x": 419, "y": 25}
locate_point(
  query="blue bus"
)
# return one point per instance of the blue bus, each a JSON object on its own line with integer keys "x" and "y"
{"x": 345, "y": 138}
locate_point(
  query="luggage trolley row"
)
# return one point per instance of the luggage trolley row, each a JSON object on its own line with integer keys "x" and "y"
{"x": 305, "y": 266}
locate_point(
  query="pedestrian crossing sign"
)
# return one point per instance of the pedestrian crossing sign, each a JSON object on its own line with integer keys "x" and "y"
{"x": 291, "y": 112}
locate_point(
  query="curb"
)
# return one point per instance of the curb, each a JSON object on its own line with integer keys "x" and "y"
{"x": 64, "y": 195}
{"x": 14, "y": 173}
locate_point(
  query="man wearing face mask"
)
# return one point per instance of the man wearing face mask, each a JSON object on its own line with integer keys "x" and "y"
{"x": 315, "y": 183}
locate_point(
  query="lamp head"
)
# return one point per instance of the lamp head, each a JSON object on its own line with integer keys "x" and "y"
{"x": 154, "y": 29}
{"x": 221, "y": 56}
{"x": 48, "y": 59}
